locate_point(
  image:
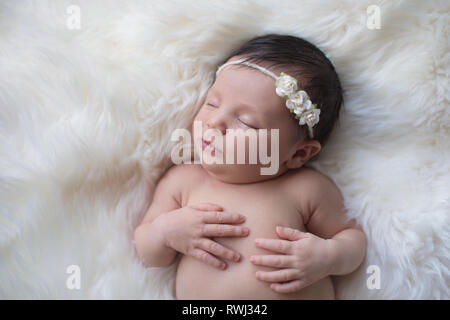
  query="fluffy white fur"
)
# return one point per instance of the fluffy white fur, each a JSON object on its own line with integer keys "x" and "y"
{"x": 86, "y": 117}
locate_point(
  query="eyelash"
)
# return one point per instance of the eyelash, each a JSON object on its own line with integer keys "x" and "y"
{"x": 209, "y": 104}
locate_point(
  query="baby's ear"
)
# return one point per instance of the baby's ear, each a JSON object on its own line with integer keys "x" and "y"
{"x": 303, "y": 153}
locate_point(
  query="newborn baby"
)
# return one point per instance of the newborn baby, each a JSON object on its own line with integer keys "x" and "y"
{"x": 243, "y": 234}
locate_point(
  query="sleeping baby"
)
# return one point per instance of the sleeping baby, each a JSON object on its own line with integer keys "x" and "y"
{"x": 241, "y": 232}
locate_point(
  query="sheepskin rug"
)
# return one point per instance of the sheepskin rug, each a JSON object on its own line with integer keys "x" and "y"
{"x": 87, "y": 108}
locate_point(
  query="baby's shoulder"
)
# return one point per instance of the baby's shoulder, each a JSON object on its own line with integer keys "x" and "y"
{"x": 187, "y": 172}
{"x": 179, "y": 180}
{"x": 185, "y": 175}
{"x": 304, "y": 176}
{"x": 307, "y": 185}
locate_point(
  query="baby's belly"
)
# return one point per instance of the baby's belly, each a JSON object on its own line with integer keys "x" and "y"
{"x": 197, "y": 280}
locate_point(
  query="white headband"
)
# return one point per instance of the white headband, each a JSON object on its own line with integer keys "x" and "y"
{"x": 297, "y": 101}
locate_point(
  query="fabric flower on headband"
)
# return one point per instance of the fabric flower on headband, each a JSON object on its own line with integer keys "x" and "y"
{"x": 297, "y": 101}
{"x": 286, "y": 85}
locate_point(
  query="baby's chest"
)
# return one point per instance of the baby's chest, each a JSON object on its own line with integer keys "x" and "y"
{"x": 264, "y": 209}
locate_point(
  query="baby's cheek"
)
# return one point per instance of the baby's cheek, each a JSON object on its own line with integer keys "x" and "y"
{"x": 249, "y": 145}
{"x": 200, "y": 116}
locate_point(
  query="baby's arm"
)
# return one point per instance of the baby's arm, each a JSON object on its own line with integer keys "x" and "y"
{"x": 328, "y": 220}
{"x": 332, "y": 246}
{"x": 169, "y": 228}
{"x": 150, "y": 241}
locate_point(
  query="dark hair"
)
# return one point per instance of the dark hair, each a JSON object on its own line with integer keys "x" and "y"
{"x": 312, "y": 69}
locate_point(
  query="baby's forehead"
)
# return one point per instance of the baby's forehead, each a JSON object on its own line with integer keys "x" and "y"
{"x": 246, "y": 83}
{"x": 255, "y": 99}
{"x": 236, "y": 72}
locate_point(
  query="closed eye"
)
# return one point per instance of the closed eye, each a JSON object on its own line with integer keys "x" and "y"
{"x": 247, "y": 125}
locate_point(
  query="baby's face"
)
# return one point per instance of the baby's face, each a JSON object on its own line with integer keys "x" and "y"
{"x": 245, "y": 98}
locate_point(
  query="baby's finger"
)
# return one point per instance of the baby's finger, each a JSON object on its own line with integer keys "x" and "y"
{"x": 290, "y": 233}
{"x": 278, "y": 275}
{"x": 208, "y": 258}
{"x": 223, "y": 230}
{"x": 275, "y": 261}
{"x": 218, "y": 250}
{"x": 222, "y": 217}
{"x": 288, "y": 287}
{"x": 275, "y": 245}
{"x": 206, "y": 206}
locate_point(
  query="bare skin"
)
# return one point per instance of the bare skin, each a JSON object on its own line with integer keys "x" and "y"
{"x": 266, "y": 205}
{"x": 224, "y": 218}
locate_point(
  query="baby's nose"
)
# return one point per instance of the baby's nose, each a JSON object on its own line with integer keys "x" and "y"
{"x": 217, "y": 125}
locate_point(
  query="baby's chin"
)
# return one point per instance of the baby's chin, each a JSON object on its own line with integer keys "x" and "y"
{"x": 219, "y": 169}
{"x": 236, "y": 173}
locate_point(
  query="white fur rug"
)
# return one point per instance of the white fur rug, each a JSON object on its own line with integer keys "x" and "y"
{"x": 86, "y": 116}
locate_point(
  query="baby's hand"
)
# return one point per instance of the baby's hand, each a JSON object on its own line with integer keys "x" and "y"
{"x": 189, "y": 230}
{"x": 302, "y": 259}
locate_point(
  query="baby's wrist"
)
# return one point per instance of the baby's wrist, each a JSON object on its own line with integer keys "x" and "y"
{"x": 331, "y": 256}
